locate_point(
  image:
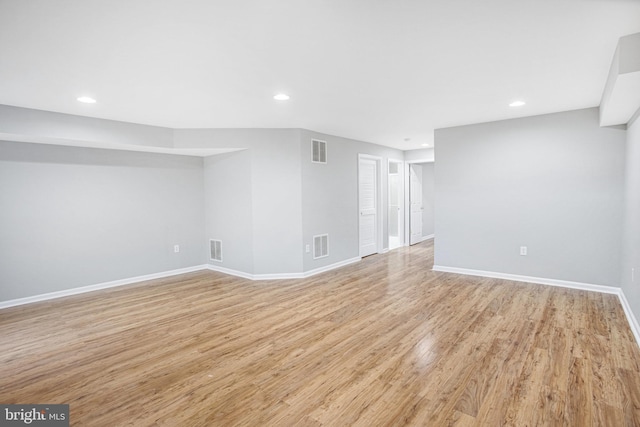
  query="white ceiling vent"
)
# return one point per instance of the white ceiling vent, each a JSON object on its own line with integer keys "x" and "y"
{"x": 215, "y": 247}
{"x": 320, "y": 246}
{"x": 319, "y": 151}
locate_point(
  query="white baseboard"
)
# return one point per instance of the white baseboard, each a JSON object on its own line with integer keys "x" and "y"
{"x": 633, "y": 322}
{"x": 631, "y": 319}
{"x": 420, "y": 240}
{"x": 230, "y": 271}
{"x": 529, "y": 279}
{"x": 91, "y": 288}
{"x": 332, "y": 266}
{"x": 132, "y": 280}
{"x": 280, "y": 276}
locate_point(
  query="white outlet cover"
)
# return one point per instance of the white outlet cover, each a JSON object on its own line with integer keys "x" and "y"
{"x": 176, "y": 248}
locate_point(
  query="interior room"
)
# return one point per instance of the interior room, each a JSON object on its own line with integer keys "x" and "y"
{"x": 320, "y": 213}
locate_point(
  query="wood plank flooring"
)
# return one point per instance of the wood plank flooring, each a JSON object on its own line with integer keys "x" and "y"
{"x": 382, "y": 342}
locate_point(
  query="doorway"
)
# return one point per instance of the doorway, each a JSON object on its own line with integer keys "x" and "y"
{"x": 396, "y": 204}
{"x": 419, "y": 201}
{"x": 369, "y": 222}
{"x": 415, "y": 201}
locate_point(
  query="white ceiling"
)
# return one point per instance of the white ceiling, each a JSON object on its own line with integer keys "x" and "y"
{"x": 374, "y": 70}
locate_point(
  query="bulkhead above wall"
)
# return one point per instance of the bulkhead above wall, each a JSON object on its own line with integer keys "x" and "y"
{"x": 47, "y": 127}
{"x": 621, "y": 97}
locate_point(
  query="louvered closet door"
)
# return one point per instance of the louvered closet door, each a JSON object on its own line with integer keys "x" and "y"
{"x": 368, "y": 206}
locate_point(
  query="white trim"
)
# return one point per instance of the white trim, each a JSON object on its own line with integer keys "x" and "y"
{"x": 529, "y": 279}
{"x": 384, "y": 251}
{"x": 633, "y": 322}
{"x": 421, "y": 239}
{"x": 278, "y": 276}
{"x": 281, "y": 276}
{"x": 330, "y": 267}
{"x": 91, "y": 288}
{"x": 137, "y": 279}
{"x": 424, "y": 238}
{"x": 229, "y": 271}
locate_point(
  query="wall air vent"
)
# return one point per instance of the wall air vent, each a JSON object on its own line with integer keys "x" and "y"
{"x": 320, "y": 246}
{"x": 215, "y": 247}
{"x": 319, "y": 151}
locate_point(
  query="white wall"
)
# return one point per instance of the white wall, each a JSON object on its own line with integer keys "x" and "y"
{"x": 631, "y": 236}
{"x": 553, "y": 183}
{"x": 73, "y": 217}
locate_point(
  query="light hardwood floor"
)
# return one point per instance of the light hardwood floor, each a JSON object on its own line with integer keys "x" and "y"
{"x": 382, "y": 342}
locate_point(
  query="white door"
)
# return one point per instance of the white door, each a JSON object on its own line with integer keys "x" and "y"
{"x": 368, "y": 204}
{"x": 415, "y": 199}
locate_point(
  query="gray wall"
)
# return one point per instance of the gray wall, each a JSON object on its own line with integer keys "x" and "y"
{"x": 553, "y": 183}
{"x": 272, "y": 161}
{"x": 229, "y": 209}
{"x": 330, "y": 195}
{"x": 251, "y": 199}
{"x": 428, "y": 199}
{"x": 74, "y": 217}
{"x": 277, "y": 203}
{"x": 631, "y": 239}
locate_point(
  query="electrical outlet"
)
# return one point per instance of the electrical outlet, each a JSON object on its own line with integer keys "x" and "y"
{"x": 307, "y": 248}
{"x": 523, "y": 250}
{"x": 176, "y": 248}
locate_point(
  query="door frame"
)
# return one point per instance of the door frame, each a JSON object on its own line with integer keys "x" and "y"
{"x": 379, "y": 201}
{"x": 401, "y": 202}
{"x": 407, "y": 195}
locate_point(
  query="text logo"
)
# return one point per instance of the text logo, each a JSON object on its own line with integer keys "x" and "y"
{"x": 34, "y": 415}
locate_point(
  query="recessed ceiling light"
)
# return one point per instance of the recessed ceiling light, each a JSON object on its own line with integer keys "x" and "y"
{"x": 87, "y": 100}
{"x": 281, "y": 97}
{"x": 517, "y": 104}
{"x": 425, "y": 145}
